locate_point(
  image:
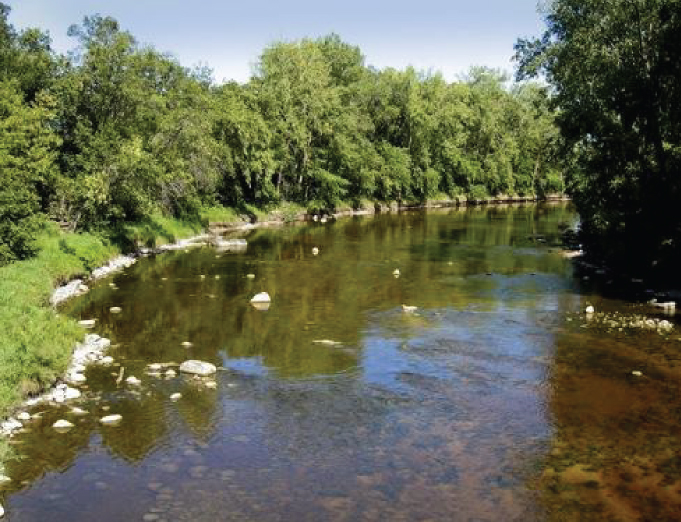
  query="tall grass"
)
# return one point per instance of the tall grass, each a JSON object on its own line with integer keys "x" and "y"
{"x": 36, "y": 344}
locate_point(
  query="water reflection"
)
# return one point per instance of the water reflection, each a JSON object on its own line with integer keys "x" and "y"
{"x": 335, "y": 403}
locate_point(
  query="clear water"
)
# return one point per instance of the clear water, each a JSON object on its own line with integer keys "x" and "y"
{"x": 494, "y": 400}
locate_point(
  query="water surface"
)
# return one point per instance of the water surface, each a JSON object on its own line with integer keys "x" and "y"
{"x": 494, "y": 400}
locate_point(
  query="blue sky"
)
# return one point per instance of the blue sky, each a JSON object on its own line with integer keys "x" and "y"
{"x": 446, "y": 36}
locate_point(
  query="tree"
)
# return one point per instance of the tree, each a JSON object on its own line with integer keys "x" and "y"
{"x": 615, "y": 69}
{"x": 27, "y": 154}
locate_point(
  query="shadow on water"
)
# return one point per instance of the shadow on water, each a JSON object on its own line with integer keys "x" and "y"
{"x": 488, "y": 401}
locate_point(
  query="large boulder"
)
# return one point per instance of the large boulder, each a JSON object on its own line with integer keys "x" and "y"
{"x": 198, "y": 368}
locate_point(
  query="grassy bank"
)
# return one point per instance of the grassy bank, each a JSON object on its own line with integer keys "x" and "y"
{"x": 36, "y": 343}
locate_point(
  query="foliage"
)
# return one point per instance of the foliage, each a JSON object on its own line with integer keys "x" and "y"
{"x": 138, "y": 135}
{"x": 615, "y": 68}
{"x": 26, "y": 165}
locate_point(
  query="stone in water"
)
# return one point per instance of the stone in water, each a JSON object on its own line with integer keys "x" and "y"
{"x": 62, "y": 425}
{"x": 262, "y": 297}
{"x": 111, "y": 420}
{"x": 198, "y": 367}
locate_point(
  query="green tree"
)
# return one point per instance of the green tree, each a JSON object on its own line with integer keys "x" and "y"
{"x": 615, "y": 67}
{"x": 27, "y": 154}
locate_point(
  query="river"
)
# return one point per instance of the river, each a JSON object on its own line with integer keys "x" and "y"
{"x": 494, "y": 399}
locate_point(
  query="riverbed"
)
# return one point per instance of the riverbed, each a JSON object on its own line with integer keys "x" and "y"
{"x": 428, "y": 365}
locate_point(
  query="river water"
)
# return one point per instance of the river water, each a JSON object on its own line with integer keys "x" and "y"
{"x": 494, "y": 399}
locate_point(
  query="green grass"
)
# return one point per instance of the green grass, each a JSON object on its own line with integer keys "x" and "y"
{"x": 220, "y": 215}
{"x": 155, "y": 231}
{"x": 36, "y": 344}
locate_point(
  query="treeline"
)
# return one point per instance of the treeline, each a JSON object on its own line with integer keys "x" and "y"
{"x": 116, "y": 131}
{"x": 615, "y": 72}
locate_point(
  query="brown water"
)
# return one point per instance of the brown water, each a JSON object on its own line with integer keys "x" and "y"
{"x": 495, "y": 400}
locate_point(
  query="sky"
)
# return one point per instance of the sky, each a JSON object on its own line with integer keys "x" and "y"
{"x": 431, "y": 35}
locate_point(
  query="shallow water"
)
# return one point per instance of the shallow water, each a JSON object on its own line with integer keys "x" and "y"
{"x": 495, "y": 400}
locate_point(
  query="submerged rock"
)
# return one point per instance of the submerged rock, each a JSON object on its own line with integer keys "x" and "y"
{"x": 408, "y": 309}
{"x": 111, "y": 420}
{"x": 175, "y": 396}
{"x": 231, "y": 245}
{"x": 87, "y": 323}
{"x": 198, "y": 367}
{"x": 133, "y": 381}
{"x": 326, "y": 342}
{"x": 315, "y": 251}
{"x": 589, "y": 309}
{"x": 62, "y": 425}
{"x": 115, "y": 309}
{"x": 396, "y": 272}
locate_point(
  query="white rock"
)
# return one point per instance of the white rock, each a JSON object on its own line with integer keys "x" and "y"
{"x": 198, "y": 367}
{"x": 87, "y": 323}
{"x": 170, "y": 374}
{"x": 155, "y": 367}
{"x": 71, "y": 393}
{"x": 115, "y": 309}
{"x": 34, "y": 401}
{"x": 24, "y": 416}
{"x": 187, "y": 344}
{"x": 323, "y": 220}
{"x": 175, "y": 396}
{"x": 250, "y": 276}
{"x": 76, "y": 378}
{"x": 590, "y": 309}
{"x": 315, "y": 251}
{"x": 396, "y": 272}
{"x": 133, "y": 381}
{"x": 111, "y": 420}
{"x": 665, "y": 325}
{"x": 62, "y": 424}
{"x": 262, "y": 297}
{"x": 2, "y": 511}
{"x": 4, "y": 479}
{"x": 637, "y": 373}
{"x": 211, "y": 384}
{"x": 106, "y": 360}
{"x": 10, "y": 425}
{"x": 78, "y": 411}
{"x": 326, "y": 342}
{"x": 408, "y": 309}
